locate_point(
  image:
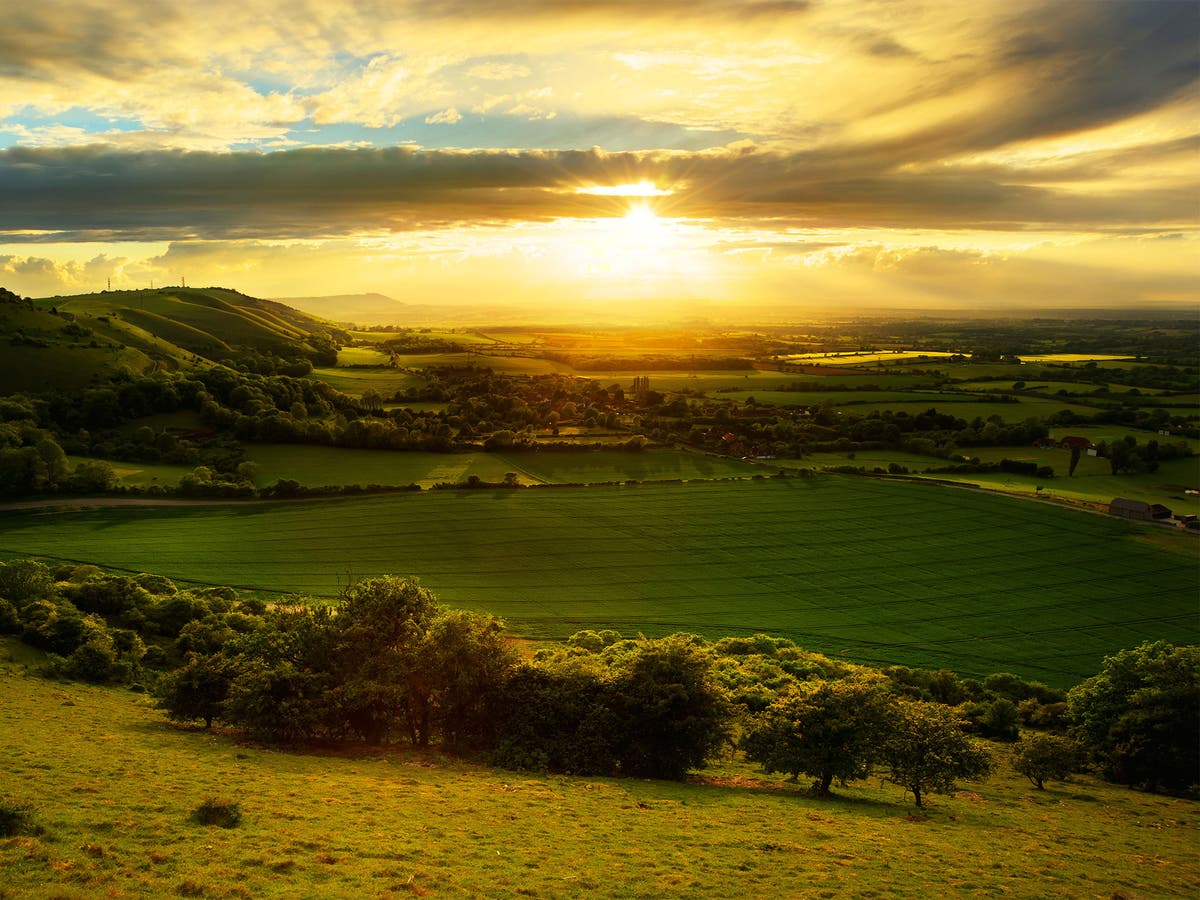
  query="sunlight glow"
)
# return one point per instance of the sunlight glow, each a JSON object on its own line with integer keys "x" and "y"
{"x": 640, "y": 189}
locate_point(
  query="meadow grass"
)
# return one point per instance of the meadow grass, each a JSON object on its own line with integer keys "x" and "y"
{"x": 137, "y": 474}
{"x": 972, "y": 407}
{"x": 114, "y": 785}
{"x": 1093, "y": 481}
{"x": 385, "y": 381}
{"x": 876, "y": 571}
{"x": 918, "y": 401}
{"x": 859, "y": 359}
{"x": 335, "y": 466}
{"x": 1071, "y": 387}
{"x": 362, "y": 356}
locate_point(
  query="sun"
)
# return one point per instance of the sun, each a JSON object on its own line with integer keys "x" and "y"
{"x": 642, "y": 227}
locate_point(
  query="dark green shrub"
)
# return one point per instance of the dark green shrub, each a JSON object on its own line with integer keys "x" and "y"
{"x": 214, "y": 811}
{"x": 23, "y": 581}
{"x": 10, "y": 622}
{"x": 159, "y": 585}
{"x": 16, "y": 817}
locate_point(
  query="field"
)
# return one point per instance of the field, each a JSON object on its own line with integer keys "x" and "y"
{"x": 394, "y": 823}
{"x": 875, "y": 571}
{"x": 330, "y": 465}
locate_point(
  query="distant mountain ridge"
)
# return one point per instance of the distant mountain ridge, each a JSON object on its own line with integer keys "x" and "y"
{"x": 358, "y": 309}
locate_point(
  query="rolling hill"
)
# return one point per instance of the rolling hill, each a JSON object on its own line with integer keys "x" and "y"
{"x": 70, "y": 342}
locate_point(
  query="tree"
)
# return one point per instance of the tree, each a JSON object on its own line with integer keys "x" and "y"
{"x": 670, "y": 715}
{"x": 462, "y": 660}
{"x": 197, "y": 690}
{"x": 834, "y": 730}
{"x": 927, "y": 750}
{"x": 1045, "y": 757}
{"x": 379, "y": 627}
{"x": 556, "y": 716}
{"x": 1137, "y": 717}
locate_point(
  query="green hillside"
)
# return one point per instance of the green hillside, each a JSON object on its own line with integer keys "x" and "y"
{"x": 69, "y": 342}
{"x": 112, "y": 785}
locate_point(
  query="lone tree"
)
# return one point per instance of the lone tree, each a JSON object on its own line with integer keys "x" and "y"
{"x": 1045, "y": 757}
{"x": 927, "y": 750}
{"x": 835, "y": 730}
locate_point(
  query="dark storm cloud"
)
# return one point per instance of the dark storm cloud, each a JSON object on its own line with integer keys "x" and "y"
{"x": 1085, "y": 65}
{"x": 100, "y": 193}
{"x": 43, "y": 40}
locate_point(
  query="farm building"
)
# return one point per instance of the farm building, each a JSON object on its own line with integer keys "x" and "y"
{"x": 1158, "y": 511}
{"x": 1130, "y": 509}
{"x": 1073, "y": 441}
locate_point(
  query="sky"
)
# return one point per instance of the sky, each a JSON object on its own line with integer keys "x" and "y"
{"x": 580, "y": 155}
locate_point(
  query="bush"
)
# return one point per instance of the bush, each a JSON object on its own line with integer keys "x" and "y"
{"x": 10, "y": 622}
{"x": 16, "y": 817}
{"x": 222, "y": 813}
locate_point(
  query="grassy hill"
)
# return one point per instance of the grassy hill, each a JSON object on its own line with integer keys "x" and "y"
{"x": 873, "y": 571}
{"x": 70, "y": 342}
{"x": 113, "y": 785}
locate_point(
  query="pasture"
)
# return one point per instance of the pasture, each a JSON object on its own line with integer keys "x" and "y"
{"x": 336, "y": 466}
{"x": 113, "y": 785}
{"x": 872, "y": 570}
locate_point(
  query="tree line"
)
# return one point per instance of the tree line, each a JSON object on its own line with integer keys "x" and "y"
{"x": 388, "y": 663}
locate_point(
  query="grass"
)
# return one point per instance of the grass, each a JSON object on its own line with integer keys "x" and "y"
{"x": 136, "y": 474}
{"x": 114, "y": 785}
{"x": 362, "y": 356}
{"x": 875, "y": 571}
{"x": 332, "y": 465}
{"x": 355, "y": 381}
{"x": 1093, "y": 481}
{"x": 916, "y": 401}
{"x": 859, "y": 359}
{"x": 969, "y": 409}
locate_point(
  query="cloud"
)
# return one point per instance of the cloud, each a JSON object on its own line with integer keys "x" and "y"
{"x": 330, "y": 191}
{"x": 445, "y": 117}
{"x": 494, "y": 71}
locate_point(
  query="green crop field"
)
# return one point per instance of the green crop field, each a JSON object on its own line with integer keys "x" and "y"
{"x": 1047, "y": 387}
{"x": 1093, "y": 481}
{"x": 912, "y": 400}
{"x": 969, "y": 408}
{"x": 332, "y": 465}
{"x": 356, "y": 381}
{"x": 362, "y": 356}
{"x": 113, "y": 785}
{"x": 872, "y": 570}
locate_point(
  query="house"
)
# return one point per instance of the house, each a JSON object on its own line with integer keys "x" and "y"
{"x": 1130, "y": 509}
{"x": 1158, "y": 511}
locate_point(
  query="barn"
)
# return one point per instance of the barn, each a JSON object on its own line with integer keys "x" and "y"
{"x": 1131, "y": 509}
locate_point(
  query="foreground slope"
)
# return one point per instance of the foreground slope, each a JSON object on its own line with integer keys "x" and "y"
{"x": 113, "y": 785}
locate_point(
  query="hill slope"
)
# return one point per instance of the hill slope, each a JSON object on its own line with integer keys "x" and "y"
{"x": 113, "y": 784}
{"x": 70, "y": 342}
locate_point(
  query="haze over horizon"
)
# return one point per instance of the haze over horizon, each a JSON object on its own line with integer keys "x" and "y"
{"x": 572, "y": 156}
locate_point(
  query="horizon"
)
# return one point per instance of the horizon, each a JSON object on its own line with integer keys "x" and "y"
{"x": 578, "y": 161}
